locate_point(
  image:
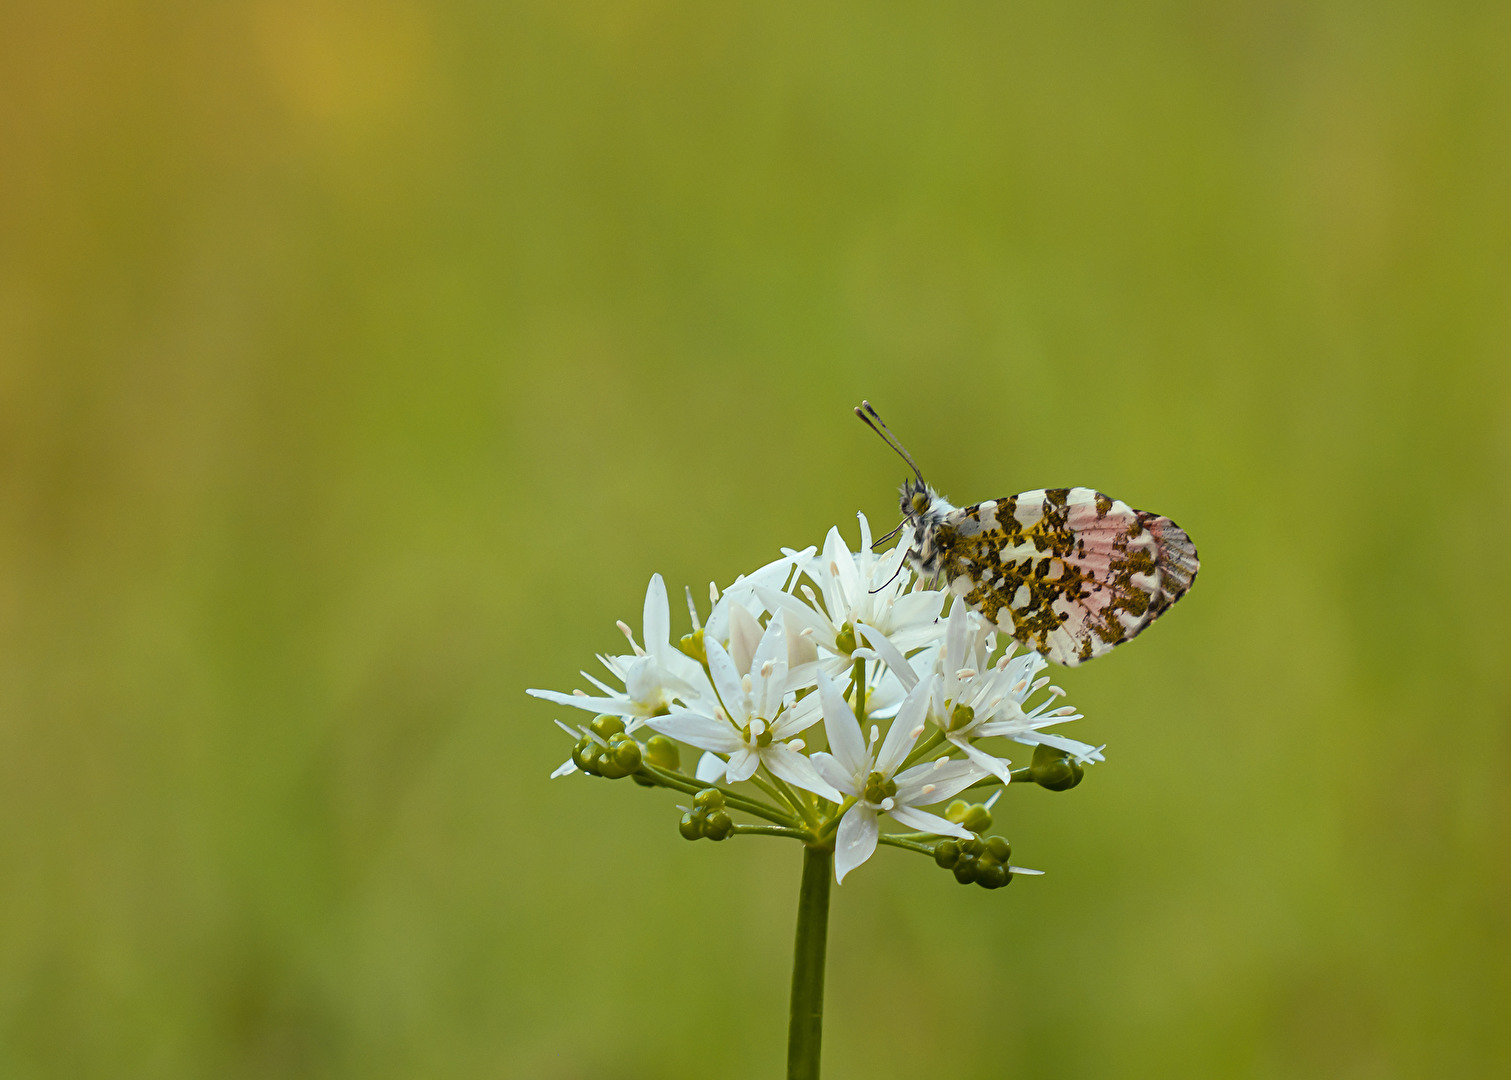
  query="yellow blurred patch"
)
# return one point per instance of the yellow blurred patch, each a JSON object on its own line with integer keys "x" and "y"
{"x": 340, "y": 63}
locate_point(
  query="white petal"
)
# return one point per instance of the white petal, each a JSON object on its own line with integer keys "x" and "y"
{"x": 920, "y": 608}
{"x": 954, "y": 644}
{"x": 834, "y": 772}
{"x": 900, "y": 736}
{"x": 795, "y": 768}
{"x": 829, "y": 571}
{"x": 657, "y": 620}
{"x": 613, "y": 706}
{"x": 695, "y": 729}
{"x": 566, "y": 768}
{"x": 744, "y": 636}
{"x": 710, "y": 768}
{"x": 926, "y": 822}
{"x": 945, "y": 779}
{"x": 804, "y": 616}
{"x": 845, "y": 740}
{"x": 773, "y": 646}
{"x": 771, "y": 686}
{"x": 895, "y": 661}
{"x": 800, "y": 647}
{"x": 855, "y": 840}
{"x": 994, "y": 765}
{"x": 726, "y": 680}
{"x": 742, "y": 764}
{"x": 799, "y": 717}
{"x": 801, "y": 676}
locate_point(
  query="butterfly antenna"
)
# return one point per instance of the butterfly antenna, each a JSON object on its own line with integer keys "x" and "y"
{"x": 889, "y": 580}
{"x": 872, "y": 419}
{"x": 894, "y": 532}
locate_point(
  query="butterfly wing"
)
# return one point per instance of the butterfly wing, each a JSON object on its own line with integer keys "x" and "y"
{"x": 1068, "y": 571}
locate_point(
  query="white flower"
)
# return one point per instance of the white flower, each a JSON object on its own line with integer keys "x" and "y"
{"x": 654, "y": 677}
{"x": 757, "y": 719}
{"x": 865, "y": 602}
{"x": 1005, "y": 714}
{"x": 870, "y": 776}
{"x": 774, "y": 575}
{"x": 970, "y": 704}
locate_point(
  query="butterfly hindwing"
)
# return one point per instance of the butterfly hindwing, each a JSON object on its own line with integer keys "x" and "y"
{"x": 1068, "y": 571}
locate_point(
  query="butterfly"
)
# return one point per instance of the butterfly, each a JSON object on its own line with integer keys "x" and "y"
{"x": 1067, "y": 571}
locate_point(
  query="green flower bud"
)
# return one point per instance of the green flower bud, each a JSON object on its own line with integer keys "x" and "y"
{"x": 691, "y": 826}
{"x": 977, "y": 818}
{"x": 965, "y": 870}
{"x": 588, "y": 759}
{"x": 992, "y": 875}
{"x": 998, "y": 848}
{"x": 709, "y": 799}
{"x": 972, "y": 847}
{"x": 609, "y": 767}
{"x": 718, "y": 825}
{"x": 1054, "y": 769}
{"x": 627, "y": 755}
{"x": 844, "y": 641}
{"x": 605, "y": 725}
{"x": 956, "y": 810}
{"x": 580, "y": 752}
{"x": 946, "y": 853}
{"x": 692, "y": 645}
{"x": 663, "y": 753}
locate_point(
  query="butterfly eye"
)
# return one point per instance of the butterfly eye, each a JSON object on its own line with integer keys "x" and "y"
{"x": 919, "y": 502}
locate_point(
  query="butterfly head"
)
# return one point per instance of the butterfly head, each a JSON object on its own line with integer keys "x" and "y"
{"x": 921, "y": 504}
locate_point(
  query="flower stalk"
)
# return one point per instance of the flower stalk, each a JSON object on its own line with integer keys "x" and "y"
{"x": 806, "y": 1027}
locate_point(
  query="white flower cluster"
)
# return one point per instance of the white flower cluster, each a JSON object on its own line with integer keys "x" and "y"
{"x": 852, "y": 639}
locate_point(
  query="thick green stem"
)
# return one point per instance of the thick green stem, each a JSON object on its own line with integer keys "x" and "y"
{"x": 806, "y": 1029}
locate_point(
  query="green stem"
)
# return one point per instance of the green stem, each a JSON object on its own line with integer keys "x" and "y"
{"x": 795, "y": 798}
{"x": 897, "y": 840}
{"x": 1020, "y": 776}
{"x": 691, "y": 786}
{"x": 921, "y": 749}
{"x": 772, "y": 830}
{"x": 806, "y": 1028}
{"x": 776, "y": 795}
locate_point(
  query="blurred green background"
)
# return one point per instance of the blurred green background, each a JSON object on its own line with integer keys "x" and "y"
{"x": 359, "y": 361}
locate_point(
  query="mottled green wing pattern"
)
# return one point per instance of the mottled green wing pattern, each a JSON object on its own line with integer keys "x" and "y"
{"x": 1068, "y": 571}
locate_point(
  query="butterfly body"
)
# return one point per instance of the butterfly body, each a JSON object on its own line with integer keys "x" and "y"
{"x": 1067, "y": 571}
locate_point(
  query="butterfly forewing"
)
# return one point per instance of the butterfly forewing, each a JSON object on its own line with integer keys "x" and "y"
{"x": 1068, "y": 571}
